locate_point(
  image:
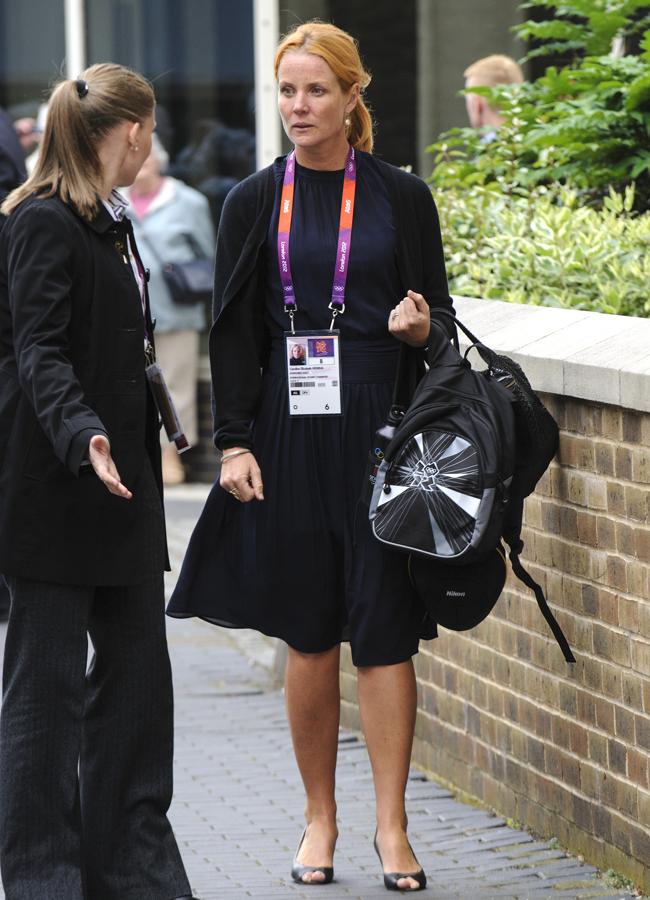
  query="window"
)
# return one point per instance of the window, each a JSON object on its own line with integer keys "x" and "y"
{"x": 31, "y": 55}
{"x": 199, "y": 56}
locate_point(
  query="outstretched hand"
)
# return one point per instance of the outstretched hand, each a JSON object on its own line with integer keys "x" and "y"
{"x": 410, "y": 320}
{"x": 99, "y": 454}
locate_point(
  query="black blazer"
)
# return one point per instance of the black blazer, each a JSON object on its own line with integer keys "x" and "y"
{"x": 71, "y": 365}
{"x": 238, "y": 338}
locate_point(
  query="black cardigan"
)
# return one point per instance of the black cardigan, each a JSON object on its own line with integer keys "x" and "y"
{"x": 239, "y": 340}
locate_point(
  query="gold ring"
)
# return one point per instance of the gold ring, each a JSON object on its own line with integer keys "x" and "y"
{"x": 235, "y": 494}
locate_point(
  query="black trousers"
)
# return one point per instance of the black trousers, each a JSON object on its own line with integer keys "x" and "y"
{"x": 86, "y": 757}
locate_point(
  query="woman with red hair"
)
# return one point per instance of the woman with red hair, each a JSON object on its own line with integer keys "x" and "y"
{"x": 281, "y": 545}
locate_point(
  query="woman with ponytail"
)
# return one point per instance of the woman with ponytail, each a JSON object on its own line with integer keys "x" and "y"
{"x": 344, "y": 250}
{"x": 85, "y": 756}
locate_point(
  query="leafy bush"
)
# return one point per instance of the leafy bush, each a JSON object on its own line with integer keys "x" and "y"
{"x": 547, "y": 250}
{"x": 586, "y": 125}
{"x": 547, "y": 212}
{"x": 583, "y": 26}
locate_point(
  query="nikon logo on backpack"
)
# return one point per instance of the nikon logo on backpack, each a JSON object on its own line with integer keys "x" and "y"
{"x": 459, "y": 458}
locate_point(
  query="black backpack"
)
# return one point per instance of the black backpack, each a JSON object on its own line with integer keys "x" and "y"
{"x": 451, "y": 482}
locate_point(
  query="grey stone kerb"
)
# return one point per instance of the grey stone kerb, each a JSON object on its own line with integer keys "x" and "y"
{"x": 591, "y": 356}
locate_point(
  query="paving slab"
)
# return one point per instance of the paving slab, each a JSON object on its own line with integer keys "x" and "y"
{"x": 238, "y": 803}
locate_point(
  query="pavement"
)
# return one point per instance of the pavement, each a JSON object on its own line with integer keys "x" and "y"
{"x": 238, "y": 804}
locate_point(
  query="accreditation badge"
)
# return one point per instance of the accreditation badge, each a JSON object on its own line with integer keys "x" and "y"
{"x": 313, "y": 373}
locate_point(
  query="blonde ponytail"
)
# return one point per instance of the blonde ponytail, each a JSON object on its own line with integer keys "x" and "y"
{"x": 80, "y": 113}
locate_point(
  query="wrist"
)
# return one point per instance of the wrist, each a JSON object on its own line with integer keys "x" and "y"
{"x": 424, "y": 339}
{"x": 233, "y": 452}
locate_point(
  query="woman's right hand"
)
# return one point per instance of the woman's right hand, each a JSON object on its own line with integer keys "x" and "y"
{"x": 241, "y": 476}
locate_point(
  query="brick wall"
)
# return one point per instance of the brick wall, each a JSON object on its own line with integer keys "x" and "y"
{"x": 565, "y": 750}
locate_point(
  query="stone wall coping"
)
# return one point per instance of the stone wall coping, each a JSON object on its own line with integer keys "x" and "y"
{"x": 569, "y": 352}
{"x": 574, "y": 353}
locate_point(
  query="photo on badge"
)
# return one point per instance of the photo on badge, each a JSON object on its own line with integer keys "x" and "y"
{"x": 296, "y": 353}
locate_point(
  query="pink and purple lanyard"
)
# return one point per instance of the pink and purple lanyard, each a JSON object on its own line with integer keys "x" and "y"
{"x": 337, "y": 304}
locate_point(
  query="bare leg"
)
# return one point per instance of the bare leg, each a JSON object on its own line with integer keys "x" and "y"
{"x": 313, "y": 709}
{"x": 388, "y": 701}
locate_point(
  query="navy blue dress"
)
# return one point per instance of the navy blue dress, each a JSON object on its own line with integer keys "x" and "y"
{"x": 303, "y": 565}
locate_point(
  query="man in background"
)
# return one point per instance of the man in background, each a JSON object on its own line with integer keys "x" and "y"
{"x": 489, "y": 72}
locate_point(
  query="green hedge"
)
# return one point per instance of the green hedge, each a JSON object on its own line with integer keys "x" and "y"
{"x": 547, "y": 250}
{"x": 552, "y": 211}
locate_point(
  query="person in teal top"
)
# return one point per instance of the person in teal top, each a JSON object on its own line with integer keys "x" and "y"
{"x": 172, "y": 223}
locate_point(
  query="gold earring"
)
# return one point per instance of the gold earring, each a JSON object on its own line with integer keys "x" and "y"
{"x": 134, "y": 147}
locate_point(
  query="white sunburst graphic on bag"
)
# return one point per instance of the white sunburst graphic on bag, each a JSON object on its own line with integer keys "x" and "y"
{"x": 439, "y": 471}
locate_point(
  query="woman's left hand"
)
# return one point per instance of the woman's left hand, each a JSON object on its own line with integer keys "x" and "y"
{"x": 410, "y": 320}
{"x": 99, "y": 454}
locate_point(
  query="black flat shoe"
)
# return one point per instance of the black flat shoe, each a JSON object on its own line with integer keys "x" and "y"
{"x": 391, "y": 878}
{"x": 297, "y": 871}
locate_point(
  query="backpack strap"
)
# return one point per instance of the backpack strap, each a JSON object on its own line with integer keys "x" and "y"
{"x": 410, "y": 365}
{"x": 484, "y": 351}
{"x": 513, "y": 532}
{"x": 447, "y": 321}
{"x": 410, "y": 369}
{"x": 516, "y": 546}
